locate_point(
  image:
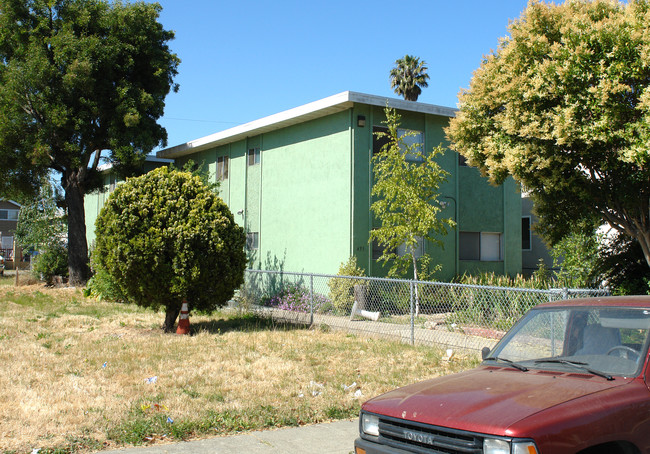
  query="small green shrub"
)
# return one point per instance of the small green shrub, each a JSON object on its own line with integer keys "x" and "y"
{"x": 51, "y": 262}
{"x": 102, "y": 287}
{"x": 342, "y": 289}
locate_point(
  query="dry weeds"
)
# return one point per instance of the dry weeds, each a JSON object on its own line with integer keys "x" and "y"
{"x": 75, "y": 373}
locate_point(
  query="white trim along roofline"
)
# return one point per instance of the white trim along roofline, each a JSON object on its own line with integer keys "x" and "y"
{"x": 313, "y": 110}
{"x": 148, "y": 158}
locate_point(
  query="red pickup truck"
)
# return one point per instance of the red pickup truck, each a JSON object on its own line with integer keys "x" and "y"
{"x": 570, "y": 377}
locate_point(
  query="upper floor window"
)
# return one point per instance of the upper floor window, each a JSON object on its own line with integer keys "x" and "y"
{"x": 413, "y": 140}
{"x": 8, "y": 215}
{"x": 222, "y": 167}
{"x": 380, "y": 140}
{"x": 253, "y": 156}
{"x": 410, "y": 139}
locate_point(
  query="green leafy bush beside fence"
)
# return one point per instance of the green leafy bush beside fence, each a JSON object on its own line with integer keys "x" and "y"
{"x": 342, "y": 289}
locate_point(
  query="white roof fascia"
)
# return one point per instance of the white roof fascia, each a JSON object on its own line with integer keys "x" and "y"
{"x": 326, "y": 106}
{"x": 147, "y": 158}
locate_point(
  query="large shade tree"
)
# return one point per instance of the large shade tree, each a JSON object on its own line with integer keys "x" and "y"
{"x": 80, "y": 80}
{"x": 408, "y": 77}
{"x": 563, "y": 105}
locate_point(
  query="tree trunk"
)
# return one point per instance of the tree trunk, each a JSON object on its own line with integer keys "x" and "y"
{"x": 170, "y": 319}
{"x": 644, "y": 240}
{"x": 78, "y": 268}
{"x": 415, "y": 278}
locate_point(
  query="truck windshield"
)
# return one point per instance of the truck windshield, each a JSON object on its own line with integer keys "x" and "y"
{"x": 598, "y": 340}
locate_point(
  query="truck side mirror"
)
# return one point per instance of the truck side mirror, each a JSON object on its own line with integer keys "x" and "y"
{"x": 485, "y": 351}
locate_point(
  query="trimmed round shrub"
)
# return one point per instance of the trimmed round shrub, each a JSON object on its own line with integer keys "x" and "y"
{"x": 164, "y": 237}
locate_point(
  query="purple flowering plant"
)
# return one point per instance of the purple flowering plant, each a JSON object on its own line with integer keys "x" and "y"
{"x": 295, "y": 297}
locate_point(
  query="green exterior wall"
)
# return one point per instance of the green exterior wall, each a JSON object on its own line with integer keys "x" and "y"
{"x": 297, "y": 198}
{"x": 309, "y": 197}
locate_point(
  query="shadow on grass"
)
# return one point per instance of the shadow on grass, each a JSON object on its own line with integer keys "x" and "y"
{"x": 244, "y": 323}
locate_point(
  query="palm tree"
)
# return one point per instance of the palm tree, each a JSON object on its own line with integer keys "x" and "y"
{"x": 408, "y": 76}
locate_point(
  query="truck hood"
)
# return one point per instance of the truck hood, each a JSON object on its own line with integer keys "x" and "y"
{"x": 486, "y": 399}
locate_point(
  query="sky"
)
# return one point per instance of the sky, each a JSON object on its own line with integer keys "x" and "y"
{"x": 242, "y": 60}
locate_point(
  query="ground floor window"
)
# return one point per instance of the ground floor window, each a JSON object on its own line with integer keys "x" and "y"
{"x": 418, "y": 250}
{"x": 526, "y": 237}
{"x": 252, "y": 241}
{"x": 481, "y": 246}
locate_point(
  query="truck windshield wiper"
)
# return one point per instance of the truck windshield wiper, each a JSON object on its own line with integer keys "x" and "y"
{"x": 507, "y": 361}
{"x": 576, "y": 364}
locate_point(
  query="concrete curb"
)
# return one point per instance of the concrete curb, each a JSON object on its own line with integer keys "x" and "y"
{"x": 327, "y": 438}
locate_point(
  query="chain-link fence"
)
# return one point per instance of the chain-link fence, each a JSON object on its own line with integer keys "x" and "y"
{"x": 460, "y": 316}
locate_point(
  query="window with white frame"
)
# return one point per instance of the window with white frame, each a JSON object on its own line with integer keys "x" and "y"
{"x": 7, "y": 243}
{"x": 8, "y": 215}
{"x": 222, "y": 168}
{"x": 481, "y": 246}
{"x": 253, "y": 156}
{"x": 526, "y": 234}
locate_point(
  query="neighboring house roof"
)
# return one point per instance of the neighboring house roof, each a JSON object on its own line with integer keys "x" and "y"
{"x": 11, "y": 201}
{"x": 313, "y": 110}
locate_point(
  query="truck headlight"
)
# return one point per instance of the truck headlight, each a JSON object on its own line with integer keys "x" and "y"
{"x": 493, "y": 446}
{"x": 370, "y": 424}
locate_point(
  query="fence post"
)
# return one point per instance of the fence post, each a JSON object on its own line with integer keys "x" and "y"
{"x": 311, "y": 299}
{"x": 412, "y": 317}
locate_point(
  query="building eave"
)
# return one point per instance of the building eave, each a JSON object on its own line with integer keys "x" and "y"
{"x": 12, "y": 201}
{"x": 317, "y": 109}
{"x": 148, "y": 158}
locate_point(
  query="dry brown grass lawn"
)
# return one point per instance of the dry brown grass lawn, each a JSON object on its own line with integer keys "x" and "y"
{"x": 74, "y": 373}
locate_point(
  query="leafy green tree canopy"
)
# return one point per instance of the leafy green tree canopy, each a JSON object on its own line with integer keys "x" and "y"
{"x": 79, "y": 80}
{"x": 563, "y": 105}
{"x": 165, "y": 236}
{"x": 408, "y": 77}
{"x": 41, "y": 222}
{"x": 406, "y": 186}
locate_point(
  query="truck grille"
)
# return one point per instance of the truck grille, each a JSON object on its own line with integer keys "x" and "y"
{"x": 425, "y": 439}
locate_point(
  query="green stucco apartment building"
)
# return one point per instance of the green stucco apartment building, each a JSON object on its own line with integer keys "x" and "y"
{"x": 299, "y": 182}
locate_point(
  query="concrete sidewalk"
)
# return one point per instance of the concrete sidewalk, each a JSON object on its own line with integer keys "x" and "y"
{"x": 328, "y": 438}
